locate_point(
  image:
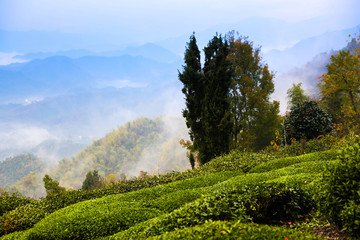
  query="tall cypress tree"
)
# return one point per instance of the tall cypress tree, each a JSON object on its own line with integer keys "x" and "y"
{"x": 193, "y": 90}
{"x": 206, "y": 93}
{"x": 216, "y": 114}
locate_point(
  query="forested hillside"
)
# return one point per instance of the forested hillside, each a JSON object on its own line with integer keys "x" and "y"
{"x": 140, "y": 145}
{"x": 15, "y": 168}
{"x": 147, "y": 145}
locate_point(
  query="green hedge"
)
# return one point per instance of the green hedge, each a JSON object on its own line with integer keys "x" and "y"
{"x": 15, "y": 236}
{"x": 12, "y": 201}
{"x": 182, "y": 187}
{"x": 164, "y": 197}
{"x": 284, "y": 162}
{"x": 234, "y": 230}
{"x": 339, "y": 198}
{"x": 97, "y": 221}
{"x": 26, "y": 216}
{"x": 260, "y": 203}
{"x": 236, "y": 160}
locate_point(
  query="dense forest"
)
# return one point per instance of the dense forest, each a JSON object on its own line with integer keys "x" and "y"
{"x": 251, "y": 173}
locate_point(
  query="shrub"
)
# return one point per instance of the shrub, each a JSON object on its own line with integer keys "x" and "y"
{"x": 10, "y": 202}
{"x": 234, "y": 230}
{"x": 284, "y": 162}
{"x": 15, "y": 236}
{"x": 94, "y": 221}
{"x": 297, "y": 148}
{"x": 340, "y": 197}
{"x": 350, "y": 217}
{"x": 21, "y": 218}
{"x": 26, "y": 216}
{"x": 236, "y": 160}
{"x": 307, "y": 120}
{"x": 262, "y": 203}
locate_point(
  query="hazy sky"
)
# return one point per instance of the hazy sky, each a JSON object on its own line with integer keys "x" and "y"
{"x": 160, "y": 19}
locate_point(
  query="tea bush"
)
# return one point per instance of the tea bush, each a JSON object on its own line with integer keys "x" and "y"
{"x": 236, "y": 160}
{"x": 15, "y": 236}
{"x": 10, "y": 202}
{"x": 260, "y": 203}
{"x": 97, "y": 222}
{"x": 187, "y": 198}
{"x": 22, "y": 218}
{"x": 212, "y": 230}
{"x": 174, "y": 200}
{"x": 340, "y": 196}
{"x": 179, "y": 192}
{"x": 26, "y": 216}
{"x": 284, "y": 162}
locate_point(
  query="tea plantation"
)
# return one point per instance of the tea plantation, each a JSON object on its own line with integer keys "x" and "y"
{"x": 237, "y": 196}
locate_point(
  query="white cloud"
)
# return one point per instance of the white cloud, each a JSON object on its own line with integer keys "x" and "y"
{"x": 8, "y": 58}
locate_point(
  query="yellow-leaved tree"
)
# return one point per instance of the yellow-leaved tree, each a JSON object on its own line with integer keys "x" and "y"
{"x": 340, "y": 87}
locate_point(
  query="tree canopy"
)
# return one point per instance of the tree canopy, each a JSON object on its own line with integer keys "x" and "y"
{"x": 206, "y": 93}
{"x": 340, "y": 87}
{"x": 307, "y": 121}
{"x": 296, "y": 95}
{"x": 227, "y": 100}
{"x": 252, "y": 85}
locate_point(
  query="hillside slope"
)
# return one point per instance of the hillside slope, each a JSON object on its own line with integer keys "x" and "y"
{"x": 241, "y": 191}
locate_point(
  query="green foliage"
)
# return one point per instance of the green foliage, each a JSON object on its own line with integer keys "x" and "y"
{"x": 340, "y": 88}
{"x": 216, "y": 116}
{"x": 234, "y": 230}
{"x": 340, "y": 197}
{"x": 307, "y": 120}
{"x": 115, "y": 153}
{"x": 284, "y": 162}
{"x": 15, "y": 236}
{"x": 255, "y": 118}
{"x": 10, "y": 202}
{"x": 206, "y": 90}
{"x": 258, "y": 202}
{"x": 193, "y": 90}
{"x": 350, "y": 217}
{"x": 257, "y": 184}
{"x": 169, "y": 202}
{"x": 26, "y": 216}
{"x": 15, "y": 168}
{"x": 93, "y": 222}
{"x": 296, "y": 95}
{"x": 236, "y": 160}
{"x": 52, "y": 187}
{"x": 313, "y": 145}
{"x": 22, "y": 218}
{"x": 92, "y": 181}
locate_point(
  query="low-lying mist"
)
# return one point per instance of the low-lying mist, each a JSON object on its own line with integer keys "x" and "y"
{"x": 60, "y": 137}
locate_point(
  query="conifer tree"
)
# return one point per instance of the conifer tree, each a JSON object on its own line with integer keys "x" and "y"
{"x": 92, "y": 181}
{"x": 193, "y": 90}
{"x": 206, "y": 91}
{"x": 216, "y": 107}
{"x": 52, "y": 186}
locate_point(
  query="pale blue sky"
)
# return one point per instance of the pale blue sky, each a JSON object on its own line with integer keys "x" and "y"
{"x": 161, "y": 19}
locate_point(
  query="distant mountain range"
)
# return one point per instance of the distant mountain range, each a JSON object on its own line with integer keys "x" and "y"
{"x": 59, "y": 75}
{"x": 68, "y": 100}
{"x": 75, "y": 88}
{"x": 305, "y": 50}
{"x": 149, "y": 50}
